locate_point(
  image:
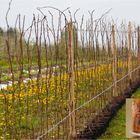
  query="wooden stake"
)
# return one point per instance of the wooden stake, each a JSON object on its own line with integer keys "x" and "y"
{"x": 138, "y": 31}
{"x": 72, "y": 132}
{"x": 129, "y": 54}
{"x": 114, "y": 68}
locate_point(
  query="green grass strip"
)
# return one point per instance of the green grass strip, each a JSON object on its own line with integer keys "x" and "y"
{"x": 116, "y": 129}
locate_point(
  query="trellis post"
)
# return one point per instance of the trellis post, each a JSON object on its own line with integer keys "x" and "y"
{"x": 138, "y": 32}
{"x": 129, "y": 54}
{"x": 72, "y": 132}
{"x": 114, "y": 68}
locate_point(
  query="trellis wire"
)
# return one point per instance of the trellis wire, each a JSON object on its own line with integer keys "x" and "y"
{"x": 99, "y": 94}
{"x": 41, "y": 107}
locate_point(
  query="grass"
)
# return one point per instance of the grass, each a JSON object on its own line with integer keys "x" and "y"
{"x": 116, "y": 129}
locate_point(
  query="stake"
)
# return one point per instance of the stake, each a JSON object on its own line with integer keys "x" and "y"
{"x": 72, "y": 132}
{"x": 114, "y": 68}
{"x": 129, "y": 54}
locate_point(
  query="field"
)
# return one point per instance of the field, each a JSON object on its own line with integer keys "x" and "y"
{"x": 56, "y": 85}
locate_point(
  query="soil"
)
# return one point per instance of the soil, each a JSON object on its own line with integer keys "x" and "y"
{"x": 101, "y": 122}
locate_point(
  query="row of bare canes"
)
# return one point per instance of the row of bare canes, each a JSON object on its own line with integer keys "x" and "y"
{"x": 61, "y": 71}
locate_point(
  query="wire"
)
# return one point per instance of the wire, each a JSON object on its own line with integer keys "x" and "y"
{"x": 41, "y": 136}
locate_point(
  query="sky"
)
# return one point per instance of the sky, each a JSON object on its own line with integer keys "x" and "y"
{"x": 121, "y": 9}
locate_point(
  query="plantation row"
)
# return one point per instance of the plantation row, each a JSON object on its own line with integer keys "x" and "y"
{"x": 61, "y": 76}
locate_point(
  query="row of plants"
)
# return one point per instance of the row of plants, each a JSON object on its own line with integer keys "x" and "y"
{"x": 27, "y": 108}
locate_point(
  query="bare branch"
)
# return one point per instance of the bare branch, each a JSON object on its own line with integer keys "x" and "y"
{"x": 6, "y": 17}
{"x": 45, "y": 7}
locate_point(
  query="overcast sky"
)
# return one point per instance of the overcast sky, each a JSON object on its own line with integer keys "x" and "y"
{"x": 121, "y": 9}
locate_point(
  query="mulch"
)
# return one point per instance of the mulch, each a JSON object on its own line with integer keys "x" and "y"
{"x": 101, "y": 122}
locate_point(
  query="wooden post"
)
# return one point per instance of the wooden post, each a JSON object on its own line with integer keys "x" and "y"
{"x": 72, "y": 132}
{"x": 129, "y": 54}
{"x": 114, "y": 68}
{"x": 138, "y": 31}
